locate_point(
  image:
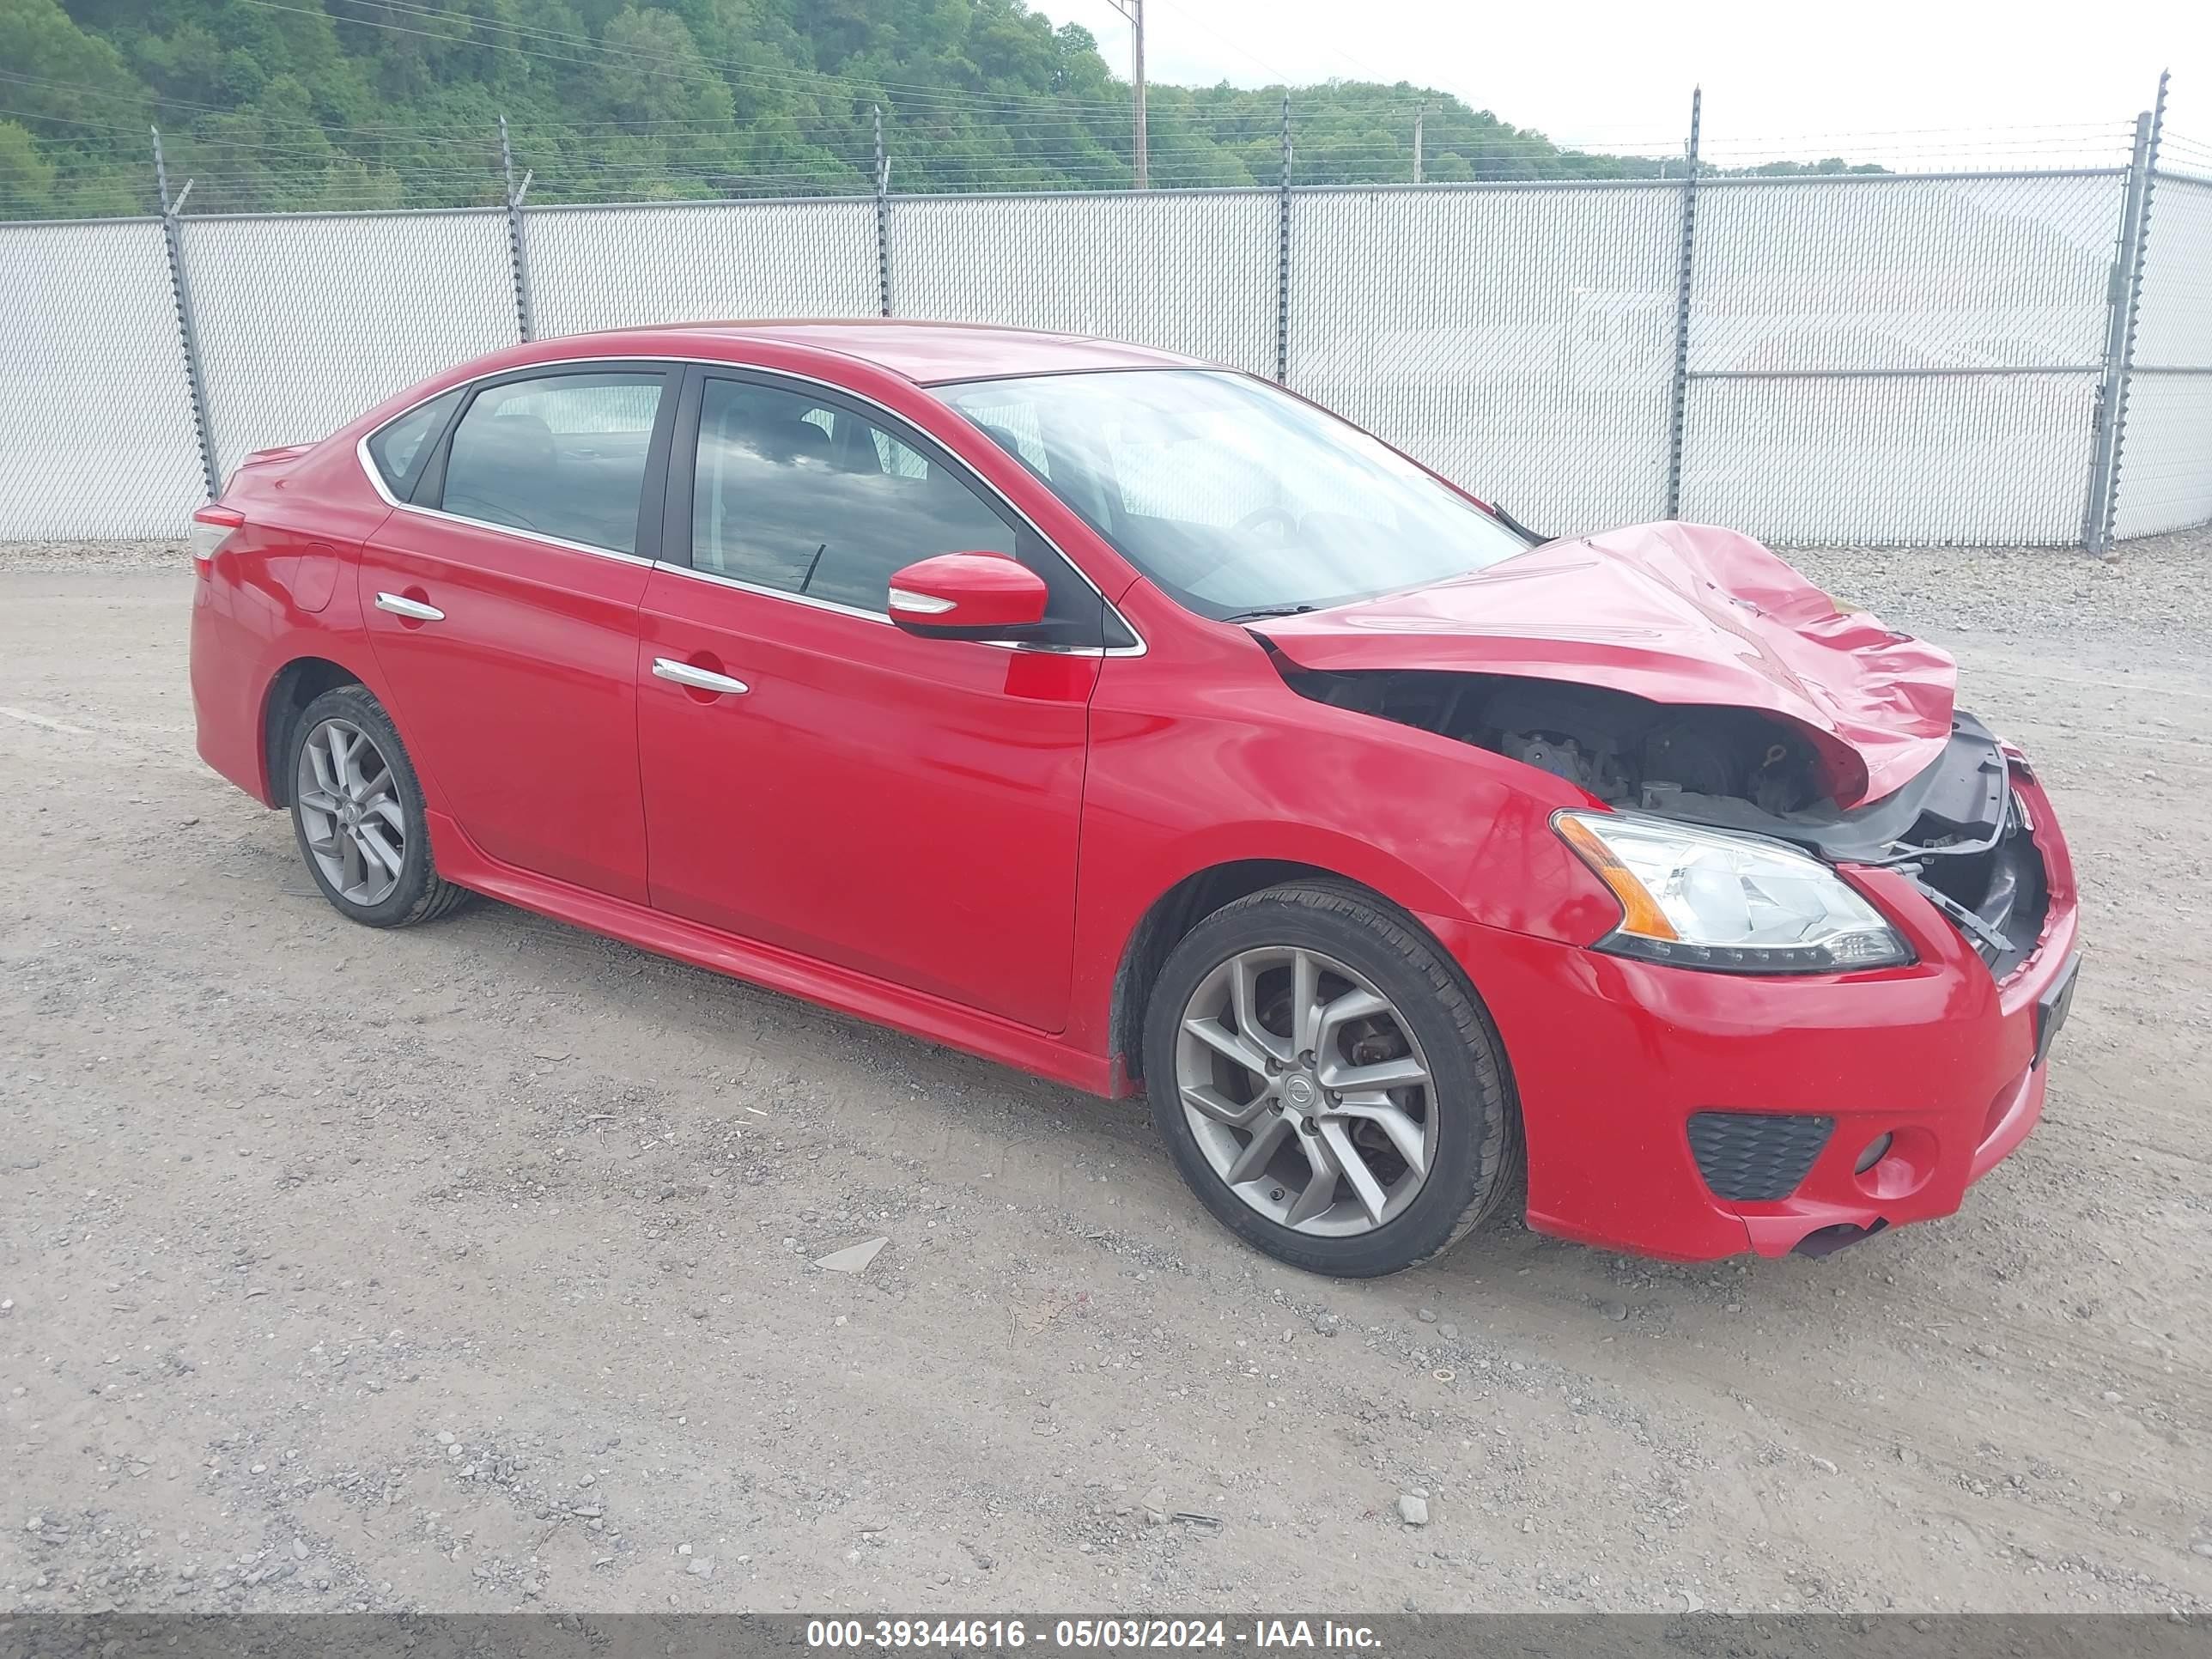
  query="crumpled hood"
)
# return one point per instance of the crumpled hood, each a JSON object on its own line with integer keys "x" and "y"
{"x": 1677, "y": 613}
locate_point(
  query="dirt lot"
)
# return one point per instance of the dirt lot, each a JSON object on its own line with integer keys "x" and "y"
{"x": 469, "y": 1267}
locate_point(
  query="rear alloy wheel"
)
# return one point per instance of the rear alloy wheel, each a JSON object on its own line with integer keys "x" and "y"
{"x": 349, "y": 812}
{"x": 357, "y": 813}
{"x": 1327, "y": 1082}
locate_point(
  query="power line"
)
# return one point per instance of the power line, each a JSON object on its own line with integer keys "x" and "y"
{"x": 1135, "y": 11}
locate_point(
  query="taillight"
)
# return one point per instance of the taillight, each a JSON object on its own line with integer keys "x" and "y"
{"x": 213, "y": 525}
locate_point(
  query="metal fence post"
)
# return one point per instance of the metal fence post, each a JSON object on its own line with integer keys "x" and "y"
{"x": 883, "y": 218}
{"x": 1283, "y": 258}
{"x": 1678, "y": 402}
{"x": 518, "y": 249}
{"x": 187, "y": 328}
{"x": 2125, "y": 298}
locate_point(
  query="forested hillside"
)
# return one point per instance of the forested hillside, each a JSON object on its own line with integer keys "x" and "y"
{"x": 302, "y": 104}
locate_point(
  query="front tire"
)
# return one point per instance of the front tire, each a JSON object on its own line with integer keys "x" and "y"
{"x": 1327, "y": 1083}
{"x": 357, "y": 814}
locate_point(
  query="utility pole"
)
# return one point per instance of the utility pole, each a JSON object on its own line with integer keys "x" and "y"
{"x": 1419, "y": 115}
{"x": 1135, "y": 11}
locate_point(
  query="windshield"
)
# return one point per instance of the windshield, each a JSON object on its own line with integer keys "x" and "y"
{"x": 1238, "y": 499}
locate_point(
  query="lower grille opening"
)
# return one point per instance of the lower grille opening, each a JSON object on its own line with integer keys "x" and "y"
{"x": 1756, "y": 1158}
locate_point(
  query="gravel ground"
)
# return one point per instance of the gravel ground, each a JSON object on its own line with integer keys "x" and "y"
{"x": 470, "y": 1267}
{"x": 2158, "y": 587}
{"x": 48, "y": 559}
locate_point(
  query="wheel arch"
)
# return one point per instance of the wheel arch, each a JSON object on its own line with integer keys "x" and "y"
{"x": 291, "y": 688}
{"x": 1187, "y": 902}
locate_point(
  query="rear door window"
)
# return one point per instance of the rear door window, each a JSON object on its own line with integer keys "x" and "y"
{"x": 561, "y": 455}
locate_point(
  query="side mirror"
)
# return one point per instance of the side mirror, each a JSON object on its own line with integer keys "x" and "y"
{"x": 968, "y": 596}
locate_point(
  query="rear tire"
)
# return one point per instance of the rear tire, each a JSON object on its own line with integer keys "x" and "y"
{"x": 1257, "y": 1142}
{"x": 357, "y": 814}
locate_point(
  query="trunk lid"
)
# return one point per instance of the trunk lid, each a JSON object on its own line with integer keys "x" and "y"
{"x": 1675, "y": 613}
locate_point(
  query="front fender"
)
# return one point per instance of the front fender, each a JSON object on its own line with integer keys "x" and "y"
{"x": 1245, "y": 768}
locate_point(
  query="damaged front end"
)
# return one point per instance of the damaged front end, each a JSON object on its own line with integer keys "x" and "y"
{"x": 1958, "y": 829}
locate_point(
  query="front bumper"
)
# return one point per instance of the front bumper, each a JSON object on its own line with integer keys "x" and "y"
{"x": 1612, "y": 1057}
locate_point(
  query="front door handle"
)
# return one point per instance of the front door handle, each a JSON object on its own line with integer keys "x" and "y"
{"x": 399, "y": 605}
{"x": 699, "y": 679}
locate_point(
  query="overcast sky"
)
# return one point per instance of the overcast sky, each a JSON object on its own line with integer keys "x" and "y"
{"x": 1619, "y": 72}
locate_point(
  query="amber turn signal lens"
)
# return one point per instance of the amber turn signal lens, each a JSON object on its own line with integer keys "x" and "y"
{"x": 1639, "y": 912}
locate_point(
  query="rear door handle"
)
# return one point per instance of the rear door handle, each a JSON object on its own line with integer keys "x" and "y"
{"x": 699, "y": 679}
{"x": 399, "y": 605}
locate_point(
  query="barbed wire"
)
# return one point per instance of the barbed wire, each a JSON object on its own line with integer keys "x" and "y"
{"x": 2103, "y": 136}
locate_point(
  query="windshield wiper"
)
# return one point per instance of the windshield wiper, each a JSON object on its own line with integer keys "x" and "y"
{"x": 1267, "y": 610}
{"x": 1515, "y": 524}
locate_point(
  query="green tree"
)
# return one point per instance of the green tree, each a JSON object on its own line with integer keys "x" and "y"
{"x": 655, "y": 75}
{"x": 27, "y": 178}
{"x": 376, "y": 103}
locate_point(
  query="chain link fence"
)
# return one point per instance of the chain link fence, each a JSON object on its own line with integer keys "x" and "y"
{"x": 1899, "y": 358}
{"x": 96, "y": 433}
{"x": 1190, "y": 271}
{"x": 2018, "y": 357}
{"x": 305, "y": 320}
{"x": 614, "y": 267}
{"x": 1519, "y": 339}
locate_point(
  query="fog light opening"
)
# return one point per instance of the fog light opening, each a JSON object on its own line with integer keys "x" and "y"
{"x": 1876, "y": 1150}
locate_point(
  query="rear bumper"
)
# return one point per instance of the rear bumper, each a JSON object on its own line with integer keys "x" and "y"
{"x": 228, "y": 680}
{"x": 1612, "y": 1057}
{"x": 246, "y": 627}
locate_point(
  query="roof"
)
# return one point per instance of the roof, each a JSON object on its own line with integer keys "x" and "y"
{"x": 931, "y": 353}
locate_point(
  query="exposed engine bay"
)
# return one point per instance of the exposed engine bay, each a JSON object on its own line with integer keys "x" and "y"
{"x": 1957, "y": 829}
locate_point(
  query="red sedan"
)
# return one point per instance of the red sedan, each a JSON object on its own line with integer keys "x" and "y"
{"x": 1138, "y": 724}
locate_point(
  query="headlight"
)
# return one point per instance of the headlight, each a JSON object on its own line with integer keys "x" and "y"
{"x": 1704, "y": 898}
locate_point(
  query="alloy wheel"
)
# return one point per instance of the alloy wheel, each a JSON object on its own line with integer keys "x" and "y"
{"x": 349, "y": 810}
{"x": 1306, "y": 1091}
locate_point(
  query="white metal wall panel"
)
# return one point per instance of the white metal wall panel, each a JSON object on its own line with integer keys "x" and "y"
{"x": 2165, "y": 454}
{"x": 96, "y": 419}
{"x": 2166, "y": 463}
{"x": 598, "y": 268}
{"x": 2174, "y": 324}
